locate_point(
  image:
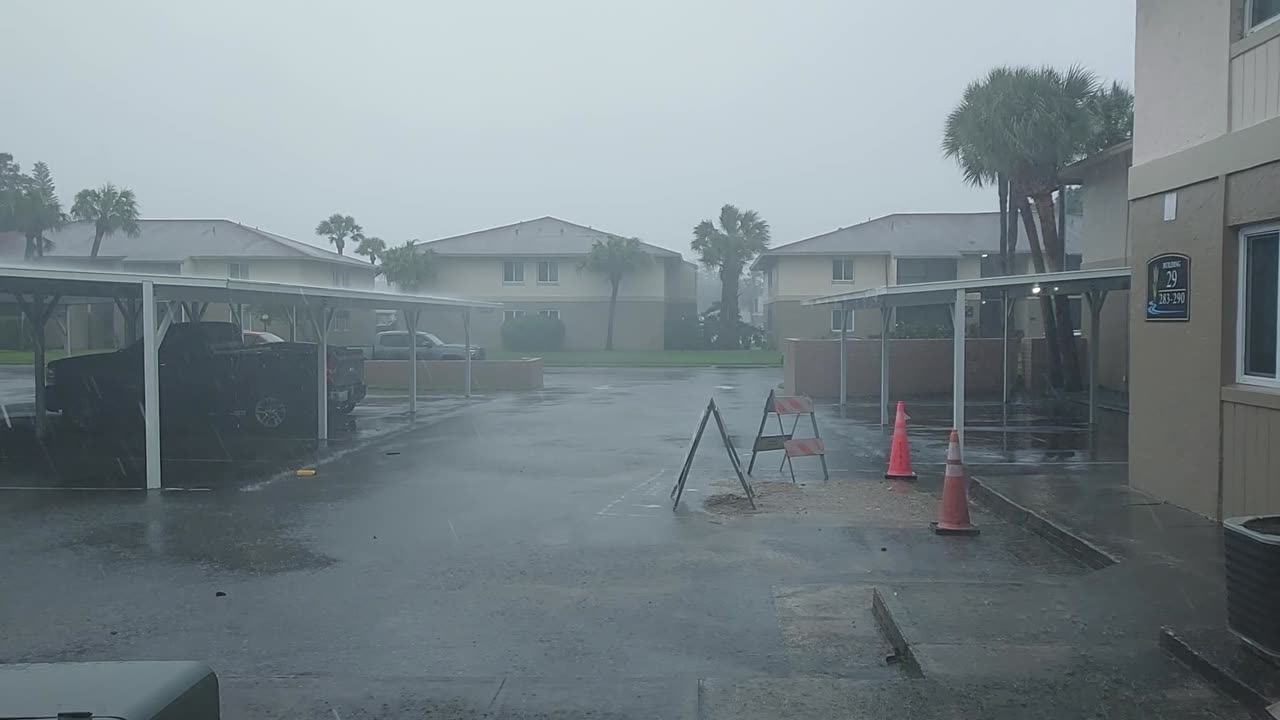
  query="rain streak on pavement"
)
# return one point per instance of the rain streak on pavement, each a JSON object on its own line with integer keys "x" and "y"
{"x": 519, "y": 558}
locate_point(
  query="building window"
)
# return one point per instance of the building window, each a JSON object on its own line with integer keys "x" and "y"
{"x": 550, "y": 313}
{"x": 548, "y": 271}
{"x": 238, "y": 271}
{"x": 842, "y": 270}
{"x": 1256, "y": 315}
{"x": 839, "y": 317}
{"x": 342, "y": 278}
{"x": 342, "y": 321}
{"x": 509, "y": 315}
{"x": 512, "y": 271}
{"x": 1262, "y": 12}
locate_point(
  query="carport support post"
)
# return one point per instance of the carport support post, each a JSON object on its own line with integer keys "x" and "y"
{"x": 885, "y": 313}
{"x": 466, "y": 343}
{"x": 1095, "y": 298}
{"x": 411, "y": 324}
{"x": 1004, "y": 347}
{"x": 321, "y": 322}
{"x": 150, "y": 385}
{"x": 957, "y": 387}
{"x": 844, "y": 357}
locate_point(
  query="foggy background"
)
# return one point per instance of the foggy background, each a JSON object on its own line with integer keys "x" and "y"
{"x": 429, "y": 119}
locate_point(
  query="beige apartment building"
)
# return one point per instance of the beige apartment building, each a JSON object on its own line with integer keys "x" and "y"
{"x": 1104, "y": 237}
{"x": 1205, "y": 184}
{"x": 211, "y": 248}
{"x": 893, "y": 250}
{"x": 536, "y": 266}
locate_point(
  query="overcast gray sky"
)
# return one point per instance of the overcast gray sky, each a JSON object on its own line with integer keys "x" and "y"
{"x": 428, "y": 119}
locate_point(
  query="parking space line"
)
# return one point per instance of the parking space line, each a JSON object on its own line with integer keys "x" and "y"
{"x": 651, "y": 479}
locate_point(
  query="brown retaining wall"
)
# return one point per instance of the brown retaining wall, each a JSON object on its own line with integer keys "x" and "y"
{"x": 486, "y": 375}
{"x": 916, "y": 367}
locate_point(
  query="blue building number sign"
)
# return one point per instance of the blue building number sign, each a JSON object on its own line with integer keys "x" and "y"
{"x": 1168, "y": 287}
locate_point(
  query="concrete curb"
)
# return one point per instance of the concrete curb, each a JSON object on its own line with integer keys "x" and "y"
{"x": 1218, "y": 677}
{"x": 893, "y": 633}
{"x": 1058, "y": 536}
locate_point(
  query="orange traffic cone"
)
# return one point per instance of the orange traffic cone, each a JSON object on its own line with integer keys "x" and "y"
{"x": 900, "y": 452}
{"x": 953, "y": 516}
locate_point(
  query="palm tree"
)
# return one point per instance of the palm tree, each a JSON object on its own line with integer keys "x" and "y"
{"x": 407, "y": 267}
{"x": 615, "y": 258}
{"x": 12, "y": 182}
{"x": 110, "y": 209}
{"x": 339, "y": 229}
{"x": 38, "y": 210}
{"x": 730, "y": 247}
{"x": 1027, "y": 124}
{"x": 371, "y": 247}
{"x": 1112, "y": 110}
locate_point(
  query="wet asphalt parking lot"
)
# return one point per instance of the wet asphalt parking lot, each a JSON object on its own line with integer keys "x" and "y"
{"x": 518, "y": 558}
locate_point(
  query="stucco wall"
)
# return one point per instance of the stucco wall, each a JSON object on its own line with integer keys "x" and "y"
{"x": 1177, "y": 367}
{"x": 804, "y": 277}
{"x": 1181, "y": 76}
{"x": 638, "y": 325}
{"x": 481, "y": 278}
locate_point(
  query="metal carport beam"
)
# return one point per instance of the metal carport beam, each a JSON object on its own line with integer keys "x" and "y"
{"x": 411, "y": 324}
{"x": 957, "y": 376}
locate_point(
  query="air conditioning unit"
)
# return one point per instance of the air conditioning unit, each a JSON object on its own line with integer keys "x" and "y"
{"x": 129, "y": 690}
{"x": 1252, "y": 547}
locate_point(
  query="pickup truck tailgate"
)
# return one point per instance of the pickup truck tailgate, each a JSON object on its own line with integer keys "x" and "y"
{"x": 348, "y": 367}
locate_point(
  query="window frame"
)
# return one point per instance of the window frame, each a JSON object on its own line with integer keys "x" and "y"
{"x": 241, "y": 271}
{"x": 1249, "y": 27}
{"x": 517, "y": 272}
{"x": 848, "y": 314}
{"x": 340, "y": 278}
{"x": 550, "y": 313}
{"x": 1241, "y": 298}
{"x": 553, "y": 272}
{"x": 509, "y": 315}
{"x": 843, "y": 261}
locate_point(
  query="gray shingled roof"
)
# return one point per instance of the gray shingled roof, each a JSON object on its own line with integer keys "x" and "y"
{"x": 543, "y": 236}
{"x": 917, "y": 235}
{"x": 177, "y": 240}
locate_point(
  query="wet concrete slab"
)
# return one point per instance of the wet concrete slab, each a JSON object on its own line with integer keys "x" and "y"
{"x": 520, "y": 559}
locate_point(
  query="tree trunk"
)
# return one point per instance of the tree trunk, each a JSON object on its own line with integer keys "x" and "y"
{"x": 97, "y": 245}
{"x": 30, "y": 250}
{"x": 1002, "y": 187}
{"x": 1053, "y": 248}
{"x": 1051, "y": 336}
{"x": 613, "y": 305}
{"x": 729, "y": 275}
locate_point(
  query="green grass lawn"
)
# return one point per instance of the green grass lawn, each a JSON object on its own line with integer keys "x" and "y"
{"x": 649, "y": 358}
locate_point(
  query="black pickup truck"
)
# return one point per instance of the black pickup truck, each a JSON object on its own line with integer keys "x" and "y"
{"x": 207, "y": 370}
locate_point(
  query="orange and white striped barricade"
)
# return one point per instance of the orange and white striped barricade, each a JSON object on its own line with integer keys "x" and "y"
{"x": 797, "y": 405}
{"x": 709, "y": 412}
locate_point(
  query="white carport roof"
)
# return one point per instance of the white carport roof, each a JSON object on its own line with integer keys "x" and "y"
{"x": 38, "y": 289}
{"x": 85, "y": 285}
{"x": 1092, "y": 284}
{"x": 1075, "y": 282}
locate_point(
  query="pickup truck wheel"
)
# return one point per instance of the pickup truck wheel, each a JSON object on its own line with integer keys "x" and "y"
{"x": 270, "y": 412}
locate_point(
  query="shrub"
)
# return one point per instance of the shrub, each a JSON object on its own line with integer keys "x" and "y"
{"x": 533, "y": 333}
{"x": 684, "y": 333}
